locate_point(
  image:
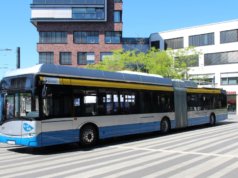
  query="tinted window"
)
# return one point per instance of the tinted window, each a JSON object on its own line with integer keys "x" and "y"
{"x": 201, "y": 40}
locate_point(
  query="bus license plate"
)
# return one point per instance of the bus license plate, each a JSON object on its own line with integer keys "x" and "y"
{"x": 10, "y": 142}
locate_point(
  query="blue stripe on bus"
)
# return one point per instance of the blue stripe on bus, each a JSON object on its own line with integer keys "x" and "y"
{"x": 205, "y": 119}
{"x": 221, "y": 117}
{"x": 44, "y": 139}
{"x": 121, "y": 130}
{"x": 198, "y": 120}
{"x": 31, "y": 141}
{"x": 59, "y": 137}
{"x": 71, "y": 136}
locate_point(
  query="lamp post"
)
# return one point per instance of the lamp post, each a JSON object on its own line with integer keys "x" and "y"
{"x": 18, "y": 56}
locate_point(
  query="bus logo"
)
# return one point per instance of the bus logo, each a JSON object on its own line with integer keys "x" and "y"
{"x": 27, "y": 127}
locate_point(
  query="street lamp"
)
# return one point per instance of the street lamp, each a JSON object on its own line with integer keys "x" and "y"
{"x": 18, "y": 60}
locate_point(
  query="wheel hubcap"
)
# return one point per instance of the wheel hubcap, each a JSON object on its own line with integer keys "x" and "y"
{"x": 164, "y": 126}
{"x": 88, "y": 136}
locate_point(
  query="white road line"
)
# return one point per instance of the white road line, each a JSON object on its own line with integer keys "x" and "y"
{"x": 225, "y": 170}
{"x": 185, "y": 143}
{"x": 195, "y": 171}
{"x": 101, "y": 164}
{"x": 204, "y": 142}
{"x": 139, "y": 160}
{"x": 217, "y": 142}
{"x": 190, "y": 135}
{"x": 180, "y": 152}
{"x": 173, "y": 168}
{"x": 33, "y": 166}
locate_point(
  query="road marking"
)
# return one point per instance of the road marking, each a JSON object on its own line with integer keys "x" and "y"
{"x": 177, "y": 151}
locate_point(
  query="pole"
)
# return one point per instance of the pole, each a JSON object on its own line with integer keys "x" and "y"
{"x": 18, "y": 58}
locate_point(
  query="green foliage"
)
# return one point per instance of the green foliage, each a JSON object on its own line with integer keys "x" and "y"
{"x": 183, "y": 60}
{"x": 170, "y": 63}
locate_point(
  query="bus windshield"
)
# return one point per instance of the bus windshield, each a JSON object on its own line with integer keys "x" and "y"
{"x": 18, "y": 105}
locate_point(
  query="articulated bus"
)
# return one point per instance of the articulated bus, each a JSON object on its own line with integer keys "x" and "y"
{"x": 49, "y": 105}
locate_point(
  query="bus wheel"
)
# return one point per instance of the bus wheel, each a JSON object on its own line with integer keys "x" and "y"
{"x": 164, "y": 126}
{"x": 88, "y": 135}
{"x": 212, "y": 120}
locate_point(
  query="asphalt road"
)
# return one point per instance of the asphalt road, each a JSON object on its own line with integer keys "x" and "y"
{"x": 193, "y": 152}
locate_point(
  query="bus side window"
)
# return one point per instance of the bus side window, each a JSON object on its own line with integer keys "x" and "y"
{"x": 90, "y": 102}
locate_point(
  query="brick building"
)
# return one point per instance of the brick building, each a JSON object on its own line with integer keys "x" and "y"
{"x": 77, "y": 32}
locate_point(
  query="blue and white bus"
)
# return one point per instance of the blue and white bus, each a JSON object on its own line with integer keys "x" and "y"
{"x": 48, "y": 105}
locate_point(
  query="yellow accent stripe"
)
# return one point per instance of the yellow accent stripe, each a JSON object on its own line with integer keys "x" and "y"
{"x": 94, "y": 83}
{"x": 203, "y": 90}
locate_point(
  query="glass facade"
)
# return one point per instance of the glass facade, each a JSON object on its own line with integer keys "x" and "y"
{"x": 175, "y": 43}
{"x": 86, "y": 37}
{"x": 201, "y": 40}
{"x": 221, "y": 58}
{"x": 229, "y": 36}
{"x": 113, "y": 37}
{"x": 46, "y": 58}
{"x": 117, "y": 16}
{"x": 88, "y": 13}
{"x": 229, "y": 78}
{"x": 190, "y": 60}
{"x": 65, "y": 58}
{"x": 53, "y": 37}
{"x": 104, "y": 55}
{"x": 85, "y": 58}
{"x": 58, "y": 2}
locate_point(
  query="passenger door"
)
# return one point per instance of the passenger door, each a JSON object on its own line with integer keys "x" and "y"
{"x": 180, "y": 102}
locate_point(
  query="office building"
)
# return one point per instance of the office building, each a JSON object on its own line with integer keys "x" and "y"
{"x": 217, "y": 63}
{"x": 77, "y": 32}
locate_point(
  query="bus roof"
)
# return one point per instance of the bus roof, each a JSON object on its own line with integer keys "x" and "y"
{"x": 75, "y": 72}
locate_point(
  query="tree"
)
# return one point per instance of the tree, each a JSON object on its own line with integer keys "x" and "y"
{"x": 184, "y": 59}
{"x": 170, "y": 63}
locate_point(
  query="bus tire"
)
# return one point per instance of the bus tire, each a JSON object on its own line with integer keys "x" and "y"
{"x": 164, "y": 126}
{"x": 88, "y": 135}
{"x": 212, "y": 120}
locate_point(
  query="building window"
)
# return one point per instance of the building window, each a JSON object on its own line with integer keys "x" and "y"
{"x": 203, "y": 79}
{"x": 86, "y": 58}
{"x": 190, "y": 60}
{"x": 229, "y": 36}
{"x": 88, "y": 13}
{"x": 117, "y": 16}
{"x": 201, "y": 40}
{"x": 229, "y": 79}
{"x": 155, "y": 44}
{"x": 65, "y": 58}
{"x": 104, "y": 55}
{"x": 46, "y": 58}
{"x": 69, "y": 2}
{"x": 86, "y": 37}
{"x": 53, "y": 37}
{"x": 175, "y": 43}
{"x": 113, "y": 37}
{"x": 221, "y": 58}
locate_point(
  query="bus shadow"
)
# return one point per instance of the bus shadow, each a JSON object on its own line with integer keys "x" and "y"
{"x": 67, "y": 148}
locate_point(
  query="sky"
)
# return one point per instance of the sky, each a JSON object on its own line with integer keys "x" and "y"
{"x": 140, "y": 19}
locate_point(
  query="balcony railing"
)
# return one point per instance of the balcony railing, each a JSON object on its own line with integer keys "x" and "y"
{"x": 68, "y": 2}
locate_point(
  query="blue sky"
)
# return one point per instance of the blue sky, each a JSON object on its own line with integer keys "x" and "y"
{"x": 140, "y": 19}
